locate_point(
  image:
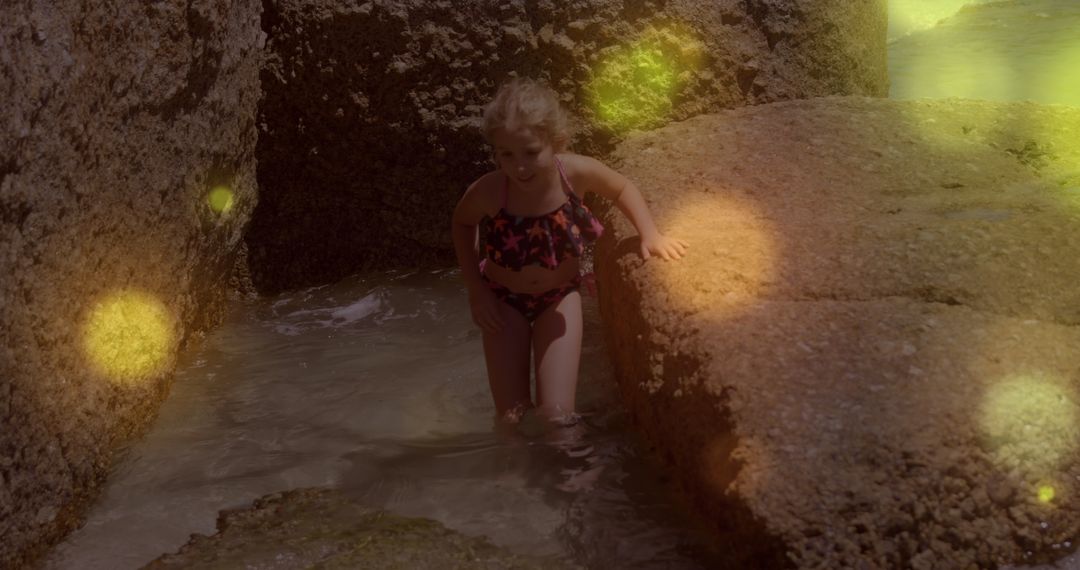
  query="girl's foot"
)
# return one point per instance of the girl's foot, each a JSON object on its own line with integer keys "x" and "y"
{"x": 514, "y": 415}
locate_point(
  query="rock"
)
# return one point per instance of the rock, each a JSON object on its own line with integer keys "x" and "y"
{"x": 320, "y": 527}
{"x": 808, "y": 295}
{"x": 118, "y": 120}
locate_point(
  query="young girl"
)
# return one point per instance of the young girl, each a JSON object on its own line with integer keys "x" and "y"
{"x": 524, "y": 293}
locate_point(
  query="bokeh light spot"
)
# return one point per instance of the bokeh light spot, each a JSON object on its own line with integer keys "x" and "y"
{"x": 220, "y": 199}
{"x": 747, "y": 249}
{"x": 128, "y": 336}
{"x": 1046, "y": 494}
{"x": 1030, "y": 421}
{"x": 633, "y": 87}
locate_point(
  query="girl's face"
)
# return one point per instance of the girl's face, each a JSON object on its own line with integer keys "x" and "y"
{"x": 525, "y": 156}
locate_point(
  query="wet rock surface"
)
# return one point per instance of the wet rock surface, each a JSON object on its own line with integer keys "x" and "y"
{"x": 369, "y": 121}
{"x": 320, "y": 527}
{"x": 869, "y": 357}
{"x": 118, "y": 119}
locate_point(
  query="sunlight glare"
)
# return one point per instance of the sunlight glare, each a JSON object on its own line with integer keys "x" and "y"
{"x": 1031, "y": 420}
{"x": 220, "y": 199}
{"x": 746, "y": 246}
{"x": 1046, "y": 494}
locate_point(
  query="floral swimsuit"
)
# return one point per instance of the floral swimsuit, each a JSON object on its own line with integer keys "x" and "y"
{"x": 515, "y": 242}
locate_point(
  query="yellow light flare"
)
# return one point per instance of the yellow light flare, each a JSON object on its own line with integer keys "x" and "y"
{"x": 220, "y": 199}
{"x": 746, "y": 250}
{"x": 129, "y": 336}
{"x": 1046, "y": 494}
{"x": 1031, "y": 421}
{"x": 633, "y": 87}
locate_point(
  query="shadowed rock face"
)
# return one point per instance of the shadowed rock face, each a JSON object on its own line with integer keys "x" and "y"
{"x": 322, "y": 528}
{"x": 872, "y": 346}
{"x": 118, "y": 119}
{"x": 369, "y": 121}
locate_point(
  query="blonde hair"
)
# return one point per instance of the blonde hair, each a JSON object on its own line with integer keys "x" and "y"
{"x": 526, "y": 103}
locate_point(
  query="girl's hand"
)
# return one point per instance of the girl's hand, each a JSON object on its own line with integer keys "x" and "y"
{"x": 665, "y": 247}
{"x": 486, "y": 312}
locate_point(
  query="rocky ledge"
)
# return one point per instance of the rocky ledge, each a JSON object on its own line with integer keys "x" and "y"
{"x": 307, "y": 528}
{"x": 869, "y": 358}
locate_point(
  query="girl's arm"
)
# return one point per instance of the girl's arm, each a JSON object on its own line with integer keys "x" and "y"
{"x": 485, "y": 309}
{"x": 619, "y": 189}
{"x": 467, "y": 216}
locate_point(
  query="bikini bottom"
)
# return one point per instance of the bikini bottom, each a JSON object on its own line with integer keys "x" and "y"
{"x": 532, "y": 305}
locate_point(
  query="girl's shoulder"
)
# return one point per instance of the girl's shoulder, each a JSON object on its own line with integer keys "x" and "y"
{"x": 484, "y": 193}
{"x": 571, "y": 163}
{"x": 581, "y": 170}
{"x": 586, "y": 174}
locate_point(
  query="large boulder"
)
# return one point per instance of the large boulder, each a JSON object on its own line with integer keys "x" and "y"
{"x": 371, "y": 110}
{"x": 869, "y": 356}
{"x": 119, "y": 120}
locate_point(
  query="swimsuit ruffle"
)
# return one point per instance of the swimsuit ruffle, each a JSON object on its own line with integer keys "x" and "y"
{"x": 519, "y": 241}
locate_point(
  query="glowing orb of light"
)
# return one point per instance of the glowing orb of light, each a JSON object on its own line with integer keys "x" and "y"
{"x": 1046, "y": 494}
{"x": 745, "y": 253}
{"x": 128, "y": 336}
{"x": 220, "y": 199}
{"x": 1031, "y": 420}
{"x": 633, "y": 87}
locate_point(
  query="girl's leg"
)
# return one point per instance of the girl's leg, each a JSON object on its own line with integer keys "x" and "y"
{"x": 556, "y": 338}
{"x": 507, "y": 356}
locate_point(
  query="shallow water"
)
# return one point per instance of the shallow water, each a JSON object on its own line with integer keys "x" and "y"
{"x": 376, "y": 385}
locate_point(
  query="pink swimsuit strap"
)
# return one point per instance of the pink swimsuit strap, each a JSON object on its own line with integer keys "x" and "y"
{"x": 562, "y": 174}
